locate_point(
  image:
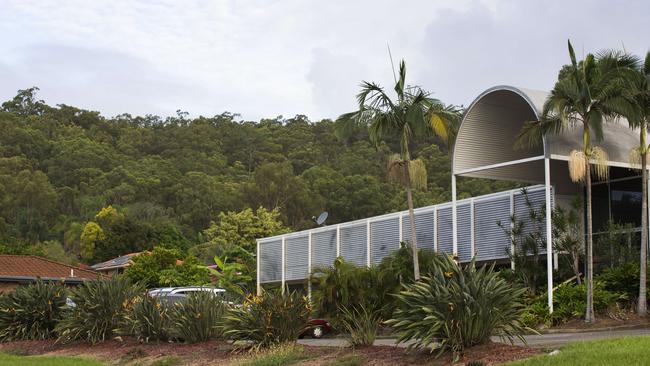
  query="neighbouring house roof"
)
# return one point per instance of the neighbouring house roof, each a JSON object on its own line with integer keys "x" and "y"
{"x": 115, "y": 263}
{"x": 27, "y": 268}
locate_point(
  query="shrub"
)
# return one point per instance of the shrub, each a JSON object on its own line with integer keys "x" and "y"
{"x": 622, "y": 279}
{"x": 569, "y": 302}
{"x": 347, "y": 285}
{"x": 360, "y": 325}
{"x": 280, "y": 355}
{"x": 31, "y": 312}
{"x": 148, "y": 320}
{"x": 269, "y": 319}
{"x": 101, "y": 307}
{"x": 199, "y": 317}
{"x": 457, "y": 307}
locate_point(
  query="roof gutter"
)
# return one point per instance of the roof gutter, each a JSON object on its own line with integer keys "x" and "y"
{"x": 25, "y": 279}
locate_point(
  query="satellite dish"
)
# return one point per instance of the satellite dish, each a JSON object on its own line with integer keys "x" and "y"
{"x": 320, "y": 220}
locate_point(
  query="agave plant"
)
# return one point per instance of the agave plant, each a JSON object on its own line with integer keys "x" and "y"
{"x": 199, "y": 318}
{"x": 269, "y": 319}
{"x": 31, "y": 312}
{"x": 148, "y": 320}
{"x": 361, "y": 324}
{"x": 458, "y": 307}
{"x": 100, "y": 308}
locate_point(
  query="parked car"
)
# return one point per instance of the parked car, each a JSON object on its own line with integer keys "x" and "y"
{"x": 173, "y": 295}
{"x": 317, "y": 328}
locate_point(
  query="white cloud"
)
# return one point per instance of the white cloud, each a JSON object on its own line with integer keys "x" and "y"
{"x": 266, "y": 58}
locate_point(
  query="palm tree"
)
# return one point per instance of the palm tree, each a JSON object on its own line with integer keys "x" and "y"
{"x": 640, "y": 90}
{"x": 586, "y": 94}
{"x": 412, "y": 115}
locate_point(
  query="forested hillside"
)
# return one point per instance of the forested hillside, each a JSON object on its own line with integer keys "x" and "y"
{"x": 161, "y": 181}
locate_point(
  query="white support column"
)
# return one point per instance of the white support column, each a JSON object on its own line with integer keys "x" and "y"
{"x": 401, "y": 231}
{"x": 368, "y": 254}
{"x": 512, "y": 226}
{"x": 259, "y": 275}
{"x": 309, "y": 267}
{"x": 284, "y": 264}
{"x": 338, "y": 240}
{"x": 454, "y": 216}
{"x": 472, "y": 241}
{"x": 648, "y": 244}
{"x": 435, "y": 229}
{"x": 549, "y": 232}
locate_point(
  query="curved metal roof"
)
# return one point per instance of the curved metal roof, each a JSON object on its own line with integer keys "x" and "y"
{"x": 490, "y": 125}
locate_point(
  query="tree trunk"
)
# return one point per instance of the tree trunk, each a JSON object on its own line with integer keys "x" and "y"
{"x": 414, "y": 244}
{"x": 589, "y": 313}
{"x": 642, "y": 303}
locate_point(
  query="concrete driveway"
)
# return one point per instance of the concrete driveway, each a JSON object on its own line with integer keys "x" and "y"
{"x": 537, "y": 341}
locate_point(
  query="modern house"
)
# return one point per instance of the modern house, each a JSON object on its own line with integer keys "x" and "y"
{"x": 17, "y": 270}
{"x": 484, "y": 148}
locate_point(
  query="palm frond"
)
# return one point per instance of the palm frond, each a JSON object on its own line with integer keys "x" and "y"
{"x": 399, "y": 86}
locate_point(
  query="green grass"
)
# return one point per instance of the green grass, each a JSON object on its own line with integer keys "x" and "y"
{"x": 619, "y": 351}
{"x": 278, "y": 356}
{"x": 12, "y": 360}
{"x": 167, "y": 361}
{"x": 350, "y": 360}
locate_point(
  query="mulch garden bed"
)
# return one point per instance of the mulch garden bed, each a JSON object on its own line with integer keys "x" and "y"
{"x": 128, "y": 351}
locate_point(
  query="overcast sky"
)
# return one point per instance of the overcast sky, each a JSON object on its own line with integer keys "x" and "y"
{"x": 271, "y": 58}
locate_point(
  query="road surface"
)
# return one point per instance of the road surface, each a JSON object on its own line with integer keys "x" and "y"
{"x": 538, "y": 341}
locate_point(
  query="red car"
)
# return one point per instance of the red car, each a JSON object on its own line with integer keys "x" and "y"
{"x": 317, "y": 328}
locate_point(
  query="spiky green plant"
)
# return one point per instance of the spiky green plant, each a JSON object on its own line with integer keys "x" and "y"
{"x": 31, "y": 312}
{"x": 360, "y": 324}
{"x": 199, "y": 317}
{"x": 457, "y": 307}
{"x": 269, "y": 319}
{"x": 148, "y": 320}
{"x": 100, "y": 308}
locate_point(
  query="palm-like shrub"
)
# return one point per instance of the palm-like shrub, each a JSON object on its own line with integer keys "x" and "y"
{"x": 457, "y": 307}
{"x": 148, "y": 320}
{"x": 199, "y": 317}
{"x": 100, "y": 308}
{"x": 360, "y": 324}
{"x": 31, "y": 312}
{"x": 269, "y": 319}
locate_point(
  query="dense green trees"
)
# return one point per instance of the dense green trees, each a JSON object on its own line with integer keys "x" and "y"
{"x": 169, "y": 179}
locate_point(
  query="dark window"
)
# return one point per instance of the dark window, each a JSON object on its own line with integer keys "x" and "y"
{"x": 626, "y": 201}
{"x": 599, "y": 206}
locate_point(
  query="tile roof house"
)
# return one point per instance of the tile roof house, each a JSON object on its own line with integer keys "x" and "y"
{"x": 21, "y": 269}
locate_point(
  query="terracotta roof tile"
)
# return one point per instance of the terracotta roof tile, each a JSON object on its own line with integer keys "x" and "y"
{"x": 33, "y": 266}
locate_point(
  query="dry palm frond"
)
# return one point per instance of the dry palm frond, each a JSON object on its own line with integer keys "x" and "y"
{"x": 439, "y": 126}
{"x": 577, "y": 166}
{"x": 600, "y": 158}
{"x": 397, "y": 169}
{"x": 418, "y": 174}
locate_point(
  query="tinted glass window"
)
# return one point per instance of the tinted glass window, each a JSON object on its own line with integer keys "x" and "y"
{"x": 626, "y": 201}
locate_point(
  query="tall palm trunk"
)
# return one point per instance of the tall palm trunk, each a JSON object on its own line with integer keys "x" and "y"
{"x": 589, "y": 313}
{"x": 414, "y": 244}
{"x": 642, "y": 303}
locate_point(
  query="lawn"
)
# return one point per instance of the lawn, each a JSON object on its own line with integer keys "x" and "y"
{"x": 11, "y": 360}
{"x": 619, "y": 351}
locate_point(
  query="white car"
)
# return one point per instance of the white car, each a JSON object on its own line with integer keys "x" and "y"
{"x": 177, "y": 294}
